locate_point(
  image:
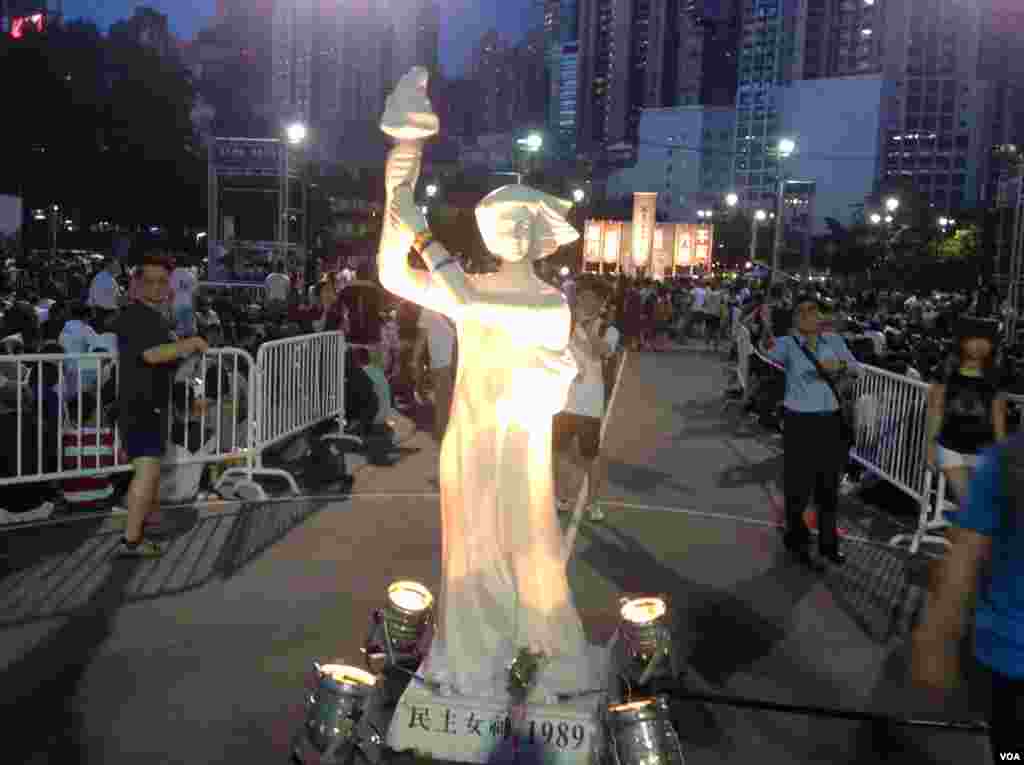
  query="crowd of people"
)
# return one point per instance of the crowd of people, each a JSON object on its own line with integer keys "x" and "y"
{"x": 402, "y": 357}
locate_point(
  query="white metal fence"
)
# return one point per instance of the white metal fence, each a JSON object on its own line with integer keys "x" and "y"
{"x": 892, "y": 443}
{"x": 58, "y": 421}
{"x": 58, "y": 418}
{"x": 302, "y": 384}
{"x": 891, "y": 438}
{"x": 254, "y": 293}
{"x": 744, "y": 350}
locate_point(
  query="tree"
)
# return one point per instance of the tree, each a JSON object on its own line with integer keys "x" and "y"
{"x": 107, "y": 132}
{"x": 962, "y": 245}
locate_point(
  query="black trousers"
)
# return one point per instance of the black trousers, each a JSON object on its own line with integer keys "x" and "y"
{"x": 813, "y": 457}
{"x": 1006, "y": 715}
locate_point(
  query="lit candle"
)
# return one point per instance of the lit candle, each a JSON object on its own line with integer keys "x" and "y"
{"x": 632, "y": 706}
{"x": 409, "y": 596}
{"x": 643, "y": 610}
{"x": 348, "y": 675}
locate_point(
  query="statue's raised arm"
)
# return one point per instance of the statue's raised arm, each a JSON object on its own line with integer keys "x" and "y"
{"x": 409, "y": 119}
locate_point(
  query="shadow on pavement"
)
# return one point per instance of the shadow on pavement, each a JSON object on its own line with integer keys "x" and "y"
{"x": 719, "y": 633}
{"x": 881, "y": 588}
{"x": 68, "y": 567}
{"x": 641, "y": 480}
{"x": 39, "y": 699}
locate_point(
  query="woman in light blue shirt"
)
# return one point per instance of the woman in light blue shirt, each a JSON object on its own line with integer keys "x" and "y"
{"x": 813, "y": 449}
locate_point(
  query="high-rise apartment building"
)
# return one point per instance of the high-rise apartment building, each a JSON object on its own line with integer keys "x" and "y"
{"x": 708, "y": 52}
{"x": 640, "y": 54}
{"x": 561, "y": 56}
{"x": 934, "y": 105}
{"x": 765, "y": 63}
{"x": 511, "y": 82}
{"x": 1001, "y": 62}
{"x": 334, "y": 61}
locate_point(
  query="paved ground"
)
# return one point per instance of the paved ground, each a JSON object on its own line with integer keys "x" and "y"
{"x": 202, "y": 657}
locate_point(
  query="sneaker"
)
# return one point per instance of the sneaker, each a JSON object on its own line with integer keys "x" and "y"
{"x": 144, "y": 549}
{"x": 595, "y": 513}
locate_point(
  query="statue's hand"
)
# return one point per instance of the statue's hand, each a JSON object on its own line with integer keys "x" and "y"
{"x": 403, "y": 166}
{"x": 404, "y": 214}
{"x": 408, "y": 114}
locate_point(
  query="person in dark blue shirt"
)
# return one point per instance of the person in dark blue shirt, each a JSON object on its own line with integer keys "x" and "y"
{"x": 990, "y": 529}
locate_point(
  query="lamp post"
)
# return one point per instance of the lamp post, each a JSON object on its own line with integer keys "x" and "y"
{"x": 578, "y": 195}
{"x": 295, "y": 135}
{"x": 532, "y": 144}
{"x": 759, "y": 217}
{"x": 786, "y": 148}
{"x": 892, "y": 204}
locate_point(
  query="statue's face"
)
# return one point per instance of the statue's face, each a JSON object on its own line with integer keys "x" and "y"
{"x": 506, "y": 231}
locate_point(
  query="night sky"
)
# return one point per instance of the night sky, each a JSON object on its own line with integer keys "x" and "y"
{"x": 462, "y": 21}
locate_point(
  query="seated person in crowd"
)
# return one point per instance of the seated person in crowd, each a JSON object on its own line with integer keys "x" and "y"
{"x": 361, "y": 405}
{"x": 381, "y": 388}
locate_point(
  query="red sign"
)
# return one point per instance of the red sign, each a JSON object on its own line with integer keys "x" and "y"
{"x": 20, "y": 25}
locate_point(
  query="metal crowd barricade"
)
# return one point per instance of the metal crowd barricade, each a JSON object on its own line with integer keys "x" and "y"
{"x": 253, "y": 292}
{"x": 891, "y": 439}
{"x": 57, "y": 437}
{"x": 301, "y": 383}
{"x": 892, "y": 442}
{"x": 744, "y": 349}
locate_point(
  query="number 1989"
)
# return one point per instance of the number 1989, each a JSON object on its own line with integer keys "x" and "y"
{"x": 562, "y": 735}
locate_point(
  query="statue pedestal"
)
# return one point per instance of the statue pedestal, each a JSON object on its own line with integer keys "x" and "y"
{"x": 483, "y": 731}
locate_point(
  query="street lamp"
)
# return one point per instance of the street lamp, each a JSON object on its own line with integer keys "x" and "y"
{"x": 578, "y": 195}
{"x": 295, "y": 136}
{"x": 732, "y": 199}
{"x": 785, "y": 150}
{"x": 432, "y": 190}
{"x": 876, "y": 218}
{"x": 533, "y": 142}
{"x": 296, "y": 133}
{"x": 888, "y": 219}
{"x": 892, "y": 204}
{"x": 759, "y": 217}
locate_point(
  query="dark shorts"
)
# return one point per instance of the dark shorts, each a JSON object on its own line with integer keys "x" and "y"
{"x": 568, "y": 426}
{"x": 141, "y": 443}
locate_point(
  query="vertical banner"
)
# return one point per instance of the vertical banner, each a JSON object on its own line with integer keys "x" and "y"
{"x": 702, "y": 249}
{"x": 592, "y": 243}
{"x": 625, "y": 264}
{"x": 612, "y": 240}
{"x": 684, "y": 245}
{"x": 645, "y": 204}
{"x": 662, "y": 250}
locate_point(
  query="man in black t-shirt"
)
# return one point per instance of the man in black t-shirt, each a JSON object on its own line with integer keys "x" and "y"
{"x": 148, "y": 352}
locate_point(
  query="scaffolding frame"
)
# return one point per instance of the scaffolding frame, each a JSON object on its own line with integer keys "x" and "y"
{"x": 271, "y": 158}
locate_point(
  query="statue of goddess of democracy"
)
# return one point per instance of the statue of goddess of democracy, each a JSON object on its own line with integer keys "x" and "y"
{"x": 504, "y": 587}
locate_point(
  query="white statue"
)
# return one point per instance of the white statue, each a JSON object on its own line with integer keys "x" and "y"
{"x": 504, "y": 587}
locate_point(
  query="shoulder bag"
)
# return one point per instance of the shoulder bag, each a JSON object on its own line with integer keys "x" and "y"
{"x": 847, "y": 427}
